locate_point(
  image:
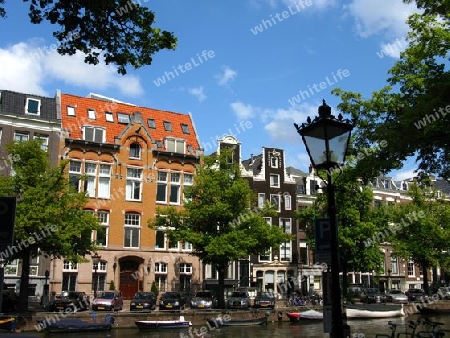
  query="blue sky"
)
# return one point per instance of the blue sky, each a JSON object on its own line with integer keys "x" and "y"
{"x": 248, "y": 60}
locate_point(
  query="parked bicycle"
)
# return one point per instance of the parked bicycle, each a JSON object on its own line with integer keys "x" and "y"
{"x": 429, "y": 332}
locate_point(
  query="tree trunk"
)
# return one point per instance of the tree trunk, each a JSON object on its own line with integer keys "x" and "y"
{"x": 426, "y": 287}
{"x": 24, "y": 281}
{"x": 344, "y": 279}
{"x": 221, "y": 286}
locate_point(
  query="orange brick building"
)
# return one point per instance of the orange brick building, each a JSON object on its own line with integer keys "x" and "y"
{"x": 129, "y": 160}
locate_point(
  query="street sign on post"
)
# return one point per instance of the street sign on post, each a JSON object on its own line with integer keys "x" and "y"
{"x": 322, "y": 238}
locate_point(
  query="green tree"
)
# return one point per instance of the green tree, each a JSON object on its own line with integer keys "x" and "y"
{"x": 423, "y": 234}
{"x": 218, "y": 218}
{"x": 413, "y": 111}
{"x": 49, "y": 215}
{"x": 118, "y": 31}
{"x": 357, "y": 222}
{"x": 154, "y": 289}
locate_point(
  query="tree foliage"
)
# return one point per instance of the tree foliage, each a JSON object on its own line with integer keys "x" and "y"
{"x": 118, "y": 31}
{"x": 413, "y": 111}
{"x": 50, "y": 215}
{"x": 218, "y": 218}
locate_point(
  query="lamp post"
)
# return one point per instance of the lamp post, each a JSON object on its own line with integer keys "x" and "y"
{"x": 95, "y": 261}
{"x": 326, "y": 139}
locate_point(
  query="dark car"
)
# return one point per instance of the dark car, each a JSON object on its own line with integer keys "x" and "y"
{"x": 371, "y": 295}
{"x": 264, "y": 299}
{"x": 72, "y": 301}
{"x": 203, "y": 300}
{"x": 143, "y": 301}
{"x": 238, "y": 300}
{"x": 416, "y": 295}
{"x": 171, "y": 301}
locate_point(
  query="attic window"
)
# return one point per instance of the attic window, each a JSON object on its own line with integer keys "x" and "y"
{"x": 70, "y": 111}
{"x": 167, "y": 126}
{"x": 91, "y": 114}
{"x": 109, "y": 116}
{"x": 151, "y": 123}
{"x": 32, "y": 106}
{"x": 159, "y": 144}
{"x": 94, "y": 134}
{"x": 185, "y": 128}
{"x": 123, "y": 118}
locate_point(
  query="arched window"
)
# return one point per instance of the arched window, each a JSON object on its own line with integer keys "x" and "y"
{"x": 135, "y": 150}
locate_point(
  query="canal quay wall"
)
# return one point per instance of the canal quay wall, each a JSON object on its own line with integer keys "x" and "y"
{"x": 125, "y": 319}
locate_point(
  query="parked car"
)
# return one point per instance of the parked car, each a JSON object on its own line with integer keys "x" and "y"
{"x": 72, "y": 301}
{"x": 203, "y": 300}
{"x": 171, "y": 301}
{"x": 371, "y": 295}
{"x": 108, "y": 300}
{"x": 396, "y": 296}
{"x": 444, "y": 292}
{"x": 264, "y": 299}
{"x": 143, "y": 301}
{"x": 238, "y": 300}
{"x": 416, "y": 295}
{"x": 10, "y": 301}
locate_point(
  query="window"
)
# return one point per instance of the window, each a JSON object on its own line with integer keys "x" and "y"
{"x": 394, "y": 265}
{"x": 104, "y": 181}
{"x": 275, "y": 180}
{"x": 43, "y": 139}
{"x": 135, "y": 150}
{"x": 275, "y": 200}
{"x": 134, "y": 184}
{"x": 411, "y": 268}
{"x": 287, "y": 202}
{"x": 174, "y": 245}
{"x": 159, "y": 144}
{"x": 91, "y": 114}
{"x": 185, "y": 128}
{"x": 90, "y": 170}
{"x": 274, "y": 162}
{"x": 1, "y": 135}
{"x": 12, "y": 268}
{"x": 161, "y": 189}
{"x": 167, "y": 126}
{"x": 261, "y": 200}
{"x": 33, "y": 106}
{"x": 94, "y": 134}
{"x": 266, "y": 255}
{"x": 160, "y": 239}
{"x": 285, "y": 248}
{"x": 123, "y": 118}
{"x": 101, "y": 236}
{"x": 75, "y": 174}
{"x": 186, "y": 246}
{"x": 187, "y": 180}
{"x": 160, "y": 267}
{"x": 109, "y": 116}
{"x": 99, "y": 277}
{"x": 151, "y": 123}
{"x": 70, "y": 266}
{"x": 301, "y": 189}
{"x": 21, "y": 136}
{"x": 69, "y": 281}
{"x": 176, "y": 146}
{"x": 312, "y": 187}
{"x": 175, "y": 179}
{"x": 132, "y": 230}
{"x": 34, "y": 266}
{"x": 70, "y": 111}
{"x": 185, "y": 268}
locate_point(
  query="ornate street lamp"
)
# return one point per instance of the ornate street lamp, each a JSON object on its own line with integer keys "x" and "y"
{"x": 95, "y": 261}
{"x": 326, "y": 139}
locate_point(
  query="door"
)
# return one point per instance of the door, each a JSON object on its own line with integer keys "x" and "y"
{"x": 128, "y": 284}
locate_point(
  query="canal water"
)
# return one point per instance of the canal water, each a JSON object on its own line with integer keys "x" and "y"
{"x": 359, "y": 329}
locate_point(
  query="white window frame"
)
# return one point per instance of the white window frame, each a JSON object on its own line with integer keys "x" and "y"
{"x": 175, "y": 184}
{"x": 70, "y": 110}
{"x": 12, "y": 268}
{"x": 139, "y": 149}
{"x": 95, "y": 131}
{"x": 44, "y": 145}
{"x": 167, "y": 125}
{"x": 91, "y": 178}
{"x": 410, "y": 266}
{"x": 34, "y": 267}
{"x": 104, "y": 178}
{"x": 27, "y": 112}
{"x": 185, "y": 269}
{"x": 76, "y": 173}
{"x": 286, "y": 254}
{"x": 185, "y": 128}
{"x": 274, "y": 161}
{"x": 272, "y": 196}
{"x": 24, "y": 136}
{"x": 274, "y": 180}
{"x": 134, "y": 181}
{"x": 151, "y": 123}
{"x": 91, "y": 114}
{"x": 109, "y": 117}
{"x": 131, "y": 226}
{"x": 161, "y": 182}
{"x": 268, "y": 221}
{"x": 102, "y": 267}
{"x": 163, "y": 231}
{"x": 186, "y": 246}
{"x": 123, "y": 118}
{"x": 261, "y": 199}
{"x": 173, "y": 247}
{"x": 104, "y": 222}
{"x": 161, "y": 268}
{"x": 287, "y": 202}
{"x": 179, "y": 145}
{"x": 70, "y": 267}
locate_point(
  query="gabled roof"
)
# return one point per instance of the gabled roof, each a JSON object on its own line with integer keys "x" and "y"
{"x": 13, "y": 103}
{"x": 253, "y": 164}
{"x": 136, "y": 114}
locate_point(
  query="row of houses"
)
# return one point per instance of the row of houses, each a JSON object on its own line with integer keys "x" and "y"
{"x": 132, "y": 159}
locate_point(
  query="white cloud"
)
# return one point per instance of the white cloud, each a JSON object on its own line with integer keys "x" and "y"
{"x": 320, "y": 4}
{"x": 198, "y": 92}
{"x": 243, "y": 111}
{"x": 34, "y": 62}
{"x": 392, "y": 49}
{"x": 403, "y": 175}
{"x": 226, "y": 76}
{"x": 374, "y": 16}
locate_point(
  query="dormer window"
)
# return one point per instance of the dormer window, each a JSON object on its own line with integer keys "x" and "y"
{"x": 167, "y": 126}
{"x": 109, "y": 116}
{"x": 151, "y": 123}
{"x": 91, "y": 114}
{"x": 123, "y": 118}
{"x": 33, "y": 106}
{"x": 94, "y": 134}
{"x": 185, "y": 128}
{"x": 175, "y": 146}
{"x": 135, "y": 150}
{"x": 70, "y": 111}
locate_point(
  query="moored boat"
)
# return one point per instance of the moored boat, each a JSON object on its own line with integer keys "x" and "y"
{"x": 221, "y": 322}
{"x": 374, "y": 311}
{"x": 433, "y": 310}
{"x": 76, "y": 325}
{"x": 311, "y": 315}
{"x": 163, "y": 324}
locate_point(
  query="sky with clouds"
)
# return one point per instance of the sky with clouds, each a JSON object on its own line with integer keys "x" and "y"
{"x": 256, "y": 66}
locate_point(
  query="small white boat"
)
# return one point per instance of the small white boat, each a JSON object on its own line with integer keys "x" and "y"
{"x": 374, "y": 311}
{"x": 163, "y": 324}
